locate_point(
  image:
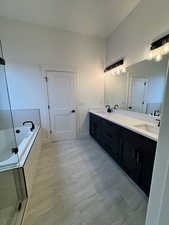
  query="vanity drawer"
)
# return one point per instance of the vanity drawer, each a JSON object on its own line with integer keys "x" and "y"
{"x": 107, "y": 124}
{"x": 112, "y": 147}
{"x": 108, "y": 134}
{"x": 111, "y": 139}
{"x": 130, "y": 136}
{"x": 110, "y": 127}
{"x": 107, "y": 146}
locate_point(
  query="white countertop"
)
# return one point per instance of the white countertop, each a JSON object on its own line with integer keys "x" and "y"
{"x": 129, "y": 122}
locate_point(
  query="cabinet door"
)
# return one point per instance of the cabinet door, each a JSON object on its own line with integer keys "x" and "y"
{"x": 95, "y": 127}
{"x": 148, "y": 156}
{"x": 138, "y": 155}
{"x": 131, "y": 155}
{"x": 91, "y": 125}
{"x": 111, "y": 139}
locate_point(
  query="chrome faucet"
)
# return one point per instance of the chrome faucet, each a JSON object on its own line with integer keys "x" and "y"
{"x": 156, "y": 113}
{"x": 116, "y": 106}
{"x": 108, "y": 108}
{"x": 32, "y": 124}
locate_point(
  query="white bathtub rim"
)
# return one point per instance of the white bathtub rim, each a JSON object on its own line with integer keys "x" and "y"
{"x": 24, "y": 156}
{"x": 18, "y": 160}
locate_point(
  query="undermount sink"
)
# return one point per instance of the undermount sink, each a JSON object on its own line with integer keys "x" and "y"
{"x": 149, "y": 128}
{"x": 104, "y": 113}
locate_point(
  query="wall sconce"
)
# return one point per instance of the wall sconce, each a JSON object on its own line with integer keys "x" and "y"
{"x": 159, "y": 48}
{"x": 116, "y": 68}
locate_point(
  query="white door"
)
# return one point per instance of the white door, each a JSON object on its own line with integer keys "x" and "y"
{"x": 138, "y": 92}
{"x": 62, "y": 106}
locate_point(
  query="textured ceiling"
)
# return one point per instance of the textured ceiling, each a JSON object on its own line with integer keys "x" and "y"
{"x": 92, "y": 17}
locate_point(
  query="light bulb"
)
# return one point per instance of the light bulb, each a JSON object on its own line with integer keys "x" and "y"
{"x": 158, "y": 58}
{"x": 118, "y": 71}
{"x": 123, "y": 70}
{"x": 112, "y": 72}
{"x": 166, "y": 48}
{"x": 151, "y": 55}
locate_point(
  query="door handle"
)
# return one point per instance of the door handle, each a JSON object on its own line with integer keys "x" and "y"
{"x": 73, "y": 111}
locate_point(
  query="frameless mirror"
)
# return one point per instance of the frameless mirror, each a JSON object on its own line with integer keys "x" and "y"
{"x": 140, "y": 89}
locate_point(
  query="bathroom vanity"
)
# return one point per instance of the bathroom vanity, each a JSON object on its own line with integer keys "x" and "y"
{"x": 126, "y": 141}
{"x": 129, "y": 135}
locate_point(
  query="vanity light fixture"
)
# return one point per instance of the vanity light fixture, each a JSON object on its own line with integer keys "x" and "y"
{"x": 159, "y": 48}
{"x": 116, "y": 68}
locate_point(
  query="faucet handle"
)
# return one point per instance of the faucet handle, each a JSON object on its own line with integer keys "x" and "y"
{"x": 156, "y": 113}
{"x": 116, "y": 106}
{"x": 159, "y": 122}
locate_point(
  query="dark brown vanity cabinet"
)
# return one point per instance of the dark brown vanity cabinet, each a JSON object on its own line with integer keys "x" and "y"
{"x": 95, "y": 127}
{"x": 148, "y": 156}
{"x": 138, "y": 155}
{"x": 111, "y": 140}
{"x": 133, "y": 152}
{"x": 131, "y": 155}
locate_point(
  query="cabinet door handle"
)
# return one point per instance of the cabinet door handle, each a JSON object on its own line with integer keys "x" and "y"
{"x": 138, "y": 157}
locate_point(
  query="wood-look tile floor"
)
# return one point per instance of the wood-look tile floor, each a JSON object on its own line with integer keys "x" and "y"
{"x": 77, "y": 183}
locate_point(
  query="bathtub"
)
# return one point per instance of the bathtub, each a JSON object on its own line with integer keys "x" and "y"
{"x": 24, "y": 140}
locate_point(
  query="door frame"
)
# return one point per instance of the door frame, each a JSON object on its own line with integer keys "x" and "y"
{"x": 57, "y": 68}
{"x": 130, "y": 83}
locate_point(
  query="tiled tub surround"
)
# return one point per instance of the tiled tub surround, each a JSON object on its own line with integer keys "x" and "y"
{"x": 132, "y": 121}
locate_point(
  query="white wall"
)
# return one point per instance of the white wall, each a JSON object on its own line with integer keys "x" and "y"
{"x": 158, "y": 208}
{"x": 26, "y": 47}
{"x": 133, "y": 37}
